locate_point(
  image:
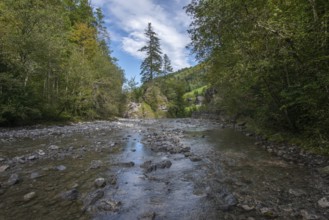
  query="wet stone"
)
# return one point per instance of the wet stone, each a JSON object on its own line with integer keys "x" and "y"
{"x": 112, "y": 180}
{"x": 4, "y": 168}
{"x": 41, "y": 153}
{"x": 29, "y": 196}
{"x": 324, "y": 202}
{"x": 32, "y": 157}
{"x": 195, "y": 158}
{"x": 147, "y": 216}
{"x": 308, "y": 216}
{"x": 95, "y": 164}
{"x": 70, "y": 195}
{"x": 61, "y": 168}
{"x": 247, "y": 208}
{"x": 128, "y": 164}
{"x": 297, "y": 192}
{"x": 53, "y": 147}
{"x": 35, "y": 175}
{"x": 164, "y": 164}
{"x": 109, "y": 205}
{"x": 92, "y": 198}
{"x": 13, "y": 179}
{"x": 99, "y": 182}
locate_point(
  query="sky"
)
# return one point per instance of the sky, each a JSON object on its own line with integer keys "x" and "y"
{"x": 126, "y": 21}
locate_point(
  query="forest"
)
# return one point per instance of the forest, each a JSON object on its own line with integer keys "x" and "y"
{"x": 55, "y": 63}
{"x": 269, "y": 61}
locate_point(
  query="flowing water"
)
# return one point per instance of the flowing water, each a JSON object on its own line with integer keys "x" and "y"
{"x": 224, "y": 175}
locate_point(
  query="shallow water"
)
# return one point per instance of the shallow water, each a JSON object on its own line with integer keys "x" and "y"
{"x": 232, "y": 172}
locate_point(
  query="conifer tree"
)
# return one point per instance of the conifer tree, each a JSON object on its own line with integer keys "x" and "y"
{"x": 151, "y": 66}
{"x": 167, "y": 68}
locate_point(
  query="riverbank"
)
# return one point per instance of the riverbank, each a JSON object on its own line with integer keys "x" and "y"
{"x": 151, "y": 169}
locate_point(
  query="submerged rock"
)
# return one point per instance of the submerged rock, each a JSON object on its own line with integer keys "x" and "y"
{"x": 195, "y": 158}
{"x": 147, "y": 216}
{"x": 149, "y": 166}
{"x": 109, "y": 205}
{"x": 70, "y": 195}
{"x": 92, "y": 198}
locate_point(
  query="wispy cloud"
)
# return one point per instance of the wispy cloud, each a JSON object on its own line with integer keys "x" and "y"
{"x": 130, "y": 19}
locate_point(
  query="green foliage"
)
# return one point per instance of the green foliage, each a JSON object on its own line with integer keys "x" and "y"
{"x": 53, "y": 64}
{"x": 268, "y": 60}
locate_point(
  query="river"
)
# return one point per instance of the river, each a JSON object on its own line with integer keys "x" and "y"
{"x": 151, "y": 169}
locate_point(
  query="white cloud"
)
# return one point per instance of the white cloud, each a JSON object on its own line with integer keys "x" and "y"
{"x": 130, "y": 19}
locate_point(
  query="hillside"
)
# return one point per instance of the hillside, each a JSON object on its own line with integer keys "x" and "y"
{"x": 175, "y": 95}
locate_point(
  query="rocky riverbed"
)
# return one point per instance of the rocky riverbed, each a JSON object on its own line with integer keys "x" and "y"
{"x": 156, "y": 169}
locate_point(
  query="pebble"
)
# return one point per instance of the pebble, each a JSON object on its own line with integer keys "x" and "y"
{"x": 95, "y": 164}
{"x": 41, "y": 152}
{"x": 70, "y": 195}
{"x": 324, "y": 202}
{"x": 13, "y": 179}
{"x": 195, "y": 158}
{"x": 247, "y": 207}
{"x": 29, "y": 196}
{"x": 297, "y": 192}
{"x": 61, "y": 168}
{"x": 53, "y": 147}
{"x": 32, "y": 157}
{"x": 307, "y": 216}
{"x": 35, "y": 175}
{"x": 99, "y": 182}
{"x": 4, "y": 168}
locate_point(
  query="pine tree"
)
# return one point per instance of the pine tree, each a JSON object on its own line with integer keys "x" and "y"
{"x": 167, "y": 68}
{"x": 151, "y": 66}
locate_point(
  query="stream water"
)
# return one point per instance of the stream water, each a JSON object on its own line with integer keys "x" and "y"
{"x": 151, "y": 169}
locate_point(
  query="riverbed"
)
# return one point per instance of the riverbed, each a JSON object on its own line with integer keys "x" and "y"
{"x": 151, "y": 169}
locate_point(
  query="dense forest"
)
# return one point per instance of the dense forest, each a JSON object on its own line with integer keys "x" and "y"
{"x": 55, "y": 62}
{"x": 268, "y": 60}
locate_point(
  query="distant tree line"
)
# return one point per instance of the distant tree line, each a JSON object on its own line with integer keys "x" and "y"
{"x": 55, "y": 62}
{"x": 268, "y": 60}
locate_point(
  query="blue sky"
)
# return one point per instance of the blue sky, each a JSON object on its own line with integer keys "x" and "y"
{"x": 126, "y": 21}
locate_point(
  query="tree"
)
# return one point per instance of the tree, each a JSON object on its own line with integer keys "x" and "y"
{"x": 167, "y": 68}
{"x": 268, "y": 60}
{"x": 151, "y": 66}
